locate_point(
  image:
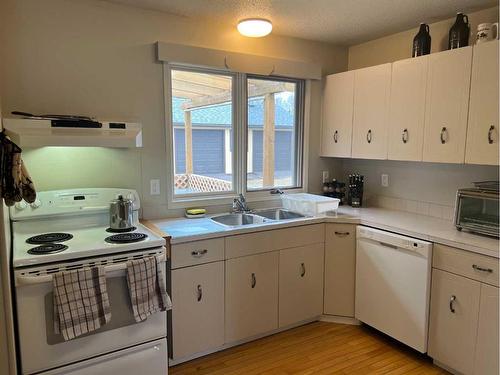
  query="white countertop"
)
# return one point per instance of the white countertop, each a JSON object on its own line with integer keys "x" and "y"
{"x": 419, "y": 226}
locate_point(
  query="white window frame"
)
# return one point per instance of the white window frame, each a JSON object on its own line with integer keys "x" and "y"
{"x": 240, "y": 129}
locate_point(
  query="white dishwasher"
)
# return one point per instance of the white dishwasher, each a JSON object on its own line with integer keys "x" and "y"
{"x": 393, "y": 274}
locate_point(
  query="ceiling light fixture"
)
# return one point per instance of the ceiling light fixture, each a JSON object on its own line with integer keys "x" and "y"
{"x": 255, "y": 27}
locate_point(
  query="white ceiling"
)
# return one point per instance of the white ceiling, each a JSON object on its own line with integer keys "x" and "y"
{"x": 342, "y": 22}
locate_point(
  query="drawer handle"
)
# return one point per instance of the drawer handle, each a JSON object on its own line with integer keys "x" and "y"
{"x": 303, "y": 268}
{"x": 254, "y": 281}
{"x": 490, "y": 133}
{"x": 199, "y": 253}
{"x": 404, "y": 136}
{"x": 478, "y": 268}
{"x": 336, "y": 136}
{"x": 443, "y": 132}
{"x": 452, "y": 300}
{"x": 341, "y": 234}
{"x": 369, "y": 136}
{"x": 200, "y": 293}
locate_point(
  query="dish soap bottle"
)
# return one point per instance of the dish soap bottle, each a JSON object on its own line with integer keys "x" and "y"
{"x": 422, "y": 41}
{"x": 459, "y": 32}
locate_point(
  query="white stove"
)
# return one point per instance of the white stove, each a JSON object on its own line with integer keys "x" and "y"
{"x": 65, "y": 230}
{"x": 81, "y": 215}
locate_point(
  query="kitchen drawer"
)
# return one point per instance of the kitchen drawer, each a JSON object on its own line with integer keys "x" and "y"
{"x": 197, "y": 252}
{"x": 474, "y": 266}
{"x": 271, "y": 240}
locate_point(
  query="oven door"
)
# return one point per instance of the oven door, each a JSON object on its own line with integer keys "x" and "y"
{"x": 42, "y": 349}
{"x": 478, "y": 213}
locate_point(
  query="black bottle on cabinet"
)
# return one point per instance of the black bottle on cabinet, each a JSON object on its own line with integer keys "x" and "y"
{"x": 422, "y": 41}
{"x": 459, "y": 32}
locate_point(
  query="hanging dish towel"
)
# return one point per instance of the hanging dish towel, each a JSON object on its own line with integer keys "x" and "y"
{"x": 146, "y": 285}
{"x": 81, "y": 302}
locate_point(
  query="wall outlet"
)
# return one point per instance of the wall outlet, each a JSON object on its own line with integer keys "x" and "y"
{"x": 326, "y": 176}
{"x": 154, "y": 187}
{"x": 385, "y": 180}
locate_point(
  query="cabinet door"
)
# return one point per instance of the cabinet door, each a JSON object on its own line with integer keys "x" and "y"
{"x": 337, "y": 115}
{"x": 447, "y": 103}
{"x": 300, "y": 283}
{"x": 453, "y": 320}
{"x": 407, "y": 109}
{"x": 482, "y": 134}
{"x": 340, "y": 269}
{"x": 486, "y": 358}
{"x": 251, "y": 295}
{"x": 198, "y": 309}
{"x": 371, "y": 104}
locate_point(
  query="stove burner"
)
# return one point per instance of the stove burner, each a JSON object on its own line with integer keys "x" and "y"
{"x": 126, "y": 237}
{"x": 124, "y": 230}
{"x": 49, "y": 238}
{"x": 49, "y": 248}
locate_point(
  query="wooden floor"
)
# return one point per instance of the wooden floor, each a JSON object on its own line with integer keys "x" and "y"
{"x": 316, "y": 348}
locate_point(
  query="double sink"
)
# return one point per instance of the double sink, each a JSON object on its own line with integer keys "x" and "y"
{"x": 258, "y": 217}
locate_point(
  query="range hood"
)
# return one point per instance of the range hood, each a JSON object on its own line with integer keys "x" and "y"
{"x": 27, "y": 132}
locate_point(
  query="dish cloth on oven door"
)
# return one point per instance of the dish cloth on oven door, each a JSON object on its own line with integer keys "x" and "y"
{"x": 81, "y": 302}
{"x": 146, "y": 285}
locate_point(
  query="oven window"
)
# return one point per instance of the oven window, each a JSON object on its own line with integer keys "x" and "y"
{"x": 479, "y": 212}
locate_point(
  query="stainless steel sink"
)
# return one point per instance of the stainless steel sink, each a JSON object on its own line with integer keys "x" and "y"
{"x": 279, "y": 214}
{"x": 238, "y": 219}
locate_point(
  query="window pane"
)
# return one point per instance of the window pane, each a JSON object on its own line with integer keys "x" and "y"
{"x": 203, "y": 121}
{"x": 272, "y": 134}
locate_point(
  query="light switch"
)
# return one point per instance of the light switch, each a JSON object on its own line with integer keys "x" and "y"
{"x": 385, "y": 180}
{"x": 155, "y": 187}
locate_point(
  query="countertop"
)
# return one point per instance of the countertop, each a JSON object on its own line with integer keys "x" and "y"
{"x": 419, "y": 226}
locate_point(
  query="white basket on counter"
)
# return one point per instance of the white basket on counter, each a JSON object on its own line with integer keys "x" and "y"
{"x": 309, "y": 204}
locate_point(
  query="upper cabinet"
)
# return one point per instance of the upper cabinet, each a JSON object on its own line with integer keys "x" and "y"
{"x": 407, "y": 109}
{"x": 338, "y": 96}
{"x": 371, "y": 103}
{"x": 447, "y": 103}
{"x": 482, "y": 134}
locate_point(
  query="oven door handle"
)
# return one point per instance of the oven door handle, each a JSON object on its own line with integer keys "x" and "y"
{"x": 23, "y": 280}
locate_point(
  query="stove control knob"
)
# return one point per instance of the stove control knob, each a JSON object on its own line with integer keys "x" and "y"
{"x": 37, "y": 203}
{"x": 21, "y": 205}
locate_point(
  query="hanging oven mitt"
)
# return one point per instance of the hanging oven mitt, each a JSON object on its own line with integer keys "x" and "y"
{"x": 27, "y": 187}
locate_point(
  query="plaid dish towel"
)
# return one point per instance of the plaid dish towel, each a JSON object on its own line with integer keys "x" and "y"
{"x": 81, "y": 302}
{"x": 146, "y": 285}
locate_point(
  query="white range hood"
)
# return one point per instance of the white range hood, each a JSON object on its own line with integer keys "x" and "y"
{"x": 46, "y": 132}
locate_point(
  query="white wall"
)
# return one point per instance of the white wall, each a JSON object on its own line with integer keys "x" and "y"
{"x": 98, "y": 58}
{"x": 428, "y": 182}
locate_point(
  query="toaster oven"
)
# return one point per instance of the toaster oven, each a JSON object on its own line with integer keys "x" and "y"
{"x": 476, "y": 210}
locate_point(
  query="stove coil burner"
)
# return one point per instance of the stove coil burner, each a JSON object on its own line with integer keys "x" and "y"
{"x": 50, "y": 248}
{"x": 48, "y": 238}
{"x": 124, "y": 230}
{"x": 126, "y": 237}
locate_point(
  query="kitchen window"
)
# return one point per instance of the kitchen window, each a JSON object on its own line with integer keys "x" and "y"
{"x": 232, "y": 133}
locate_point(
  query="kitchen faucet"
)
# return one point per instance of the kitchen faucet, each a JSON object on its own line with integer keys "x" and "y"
{"x": 240, "y": 204}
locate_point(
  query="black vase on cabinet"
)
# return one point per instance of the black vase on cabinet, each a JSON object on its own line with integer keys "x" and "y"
{"x": 459, "y": 32}
{"x": 422, "y": 41}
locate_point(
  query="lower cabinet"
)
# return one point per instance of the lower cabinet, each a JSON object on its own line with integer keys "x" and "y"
{"x": 300, "y": 283}
{"x": 463, "y": 331}
{"x": 340, "y": 269}
{"x": 198, "y": 309}
{"x": 251, "y": 296}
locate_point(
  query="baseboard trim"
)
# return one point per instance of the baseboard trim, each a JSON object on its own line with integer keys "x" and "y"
{"x": 445, "y": 367}
{"x": 340, "y": 319}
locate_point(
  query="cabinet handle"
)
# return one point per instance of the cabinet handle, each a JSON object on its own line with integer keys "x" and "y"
{"x": 254, "y": 280}
{"x": 490, "y": 133}
{"x": 341, "y": 234}
{"x": 443, "y": 132}
{"x": 303, "y": 268}
{"x": 200, "y": 293}
{"x": 452, "y": 299}
{"x": 199, "y": 253}
{"x": 369, "y": 136}
{"x": 336, "y": 136}
{"x": 482, "y": 269}
{"x": 404, "y": 136}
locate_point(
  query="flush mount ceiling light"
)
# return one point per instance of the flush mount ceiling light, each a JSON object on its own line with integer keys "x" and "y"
{"x": 255, "y": 27}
